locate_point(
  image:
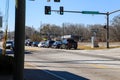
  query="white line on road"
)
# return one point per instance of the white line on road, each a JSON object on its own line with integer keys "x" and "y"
{"x": 54, "y": 74}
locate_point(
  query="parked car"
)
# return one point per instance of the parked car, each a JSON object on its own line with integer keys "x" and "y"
{"x": 35, "y": 44}
{"x": 68, "y": 44}
{"x": 41, "y": 44}
{"x": 10, "y": 45}
{"x": 49, "y": 43}
{"x": 57, "y": 44}
{"x": 28, "y": 43}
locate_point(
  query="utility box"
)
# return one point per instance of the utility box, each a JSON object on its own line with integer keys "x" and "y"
{"x": 94, "y": 42}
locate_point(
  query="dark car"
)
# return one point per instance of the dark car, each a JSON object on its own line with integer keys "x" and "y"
{"x": 10, "y": 45}
{"x": 57, "y": 44}
{"x": 49, "y": 43}
{"x": 35, "y": 44}
{"x": 28, "y": 43}
{"x": 68, "y": 44}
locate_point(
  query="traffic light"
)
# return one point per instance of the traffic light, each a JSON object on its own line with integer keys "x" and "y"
{"x": 56, "y": 0}
{"x": 48, "y": 10}
{"x": 61, "y": 10}
{"x": 105, "y": 27}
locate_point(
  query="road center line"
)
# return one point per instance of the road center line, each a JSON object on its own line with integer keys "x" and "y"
{"x": 98, "y": 66}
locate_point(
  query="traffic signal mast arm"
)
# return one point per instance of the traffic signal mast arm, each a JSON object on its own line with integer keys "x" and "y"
{"x": 83, "y": 12}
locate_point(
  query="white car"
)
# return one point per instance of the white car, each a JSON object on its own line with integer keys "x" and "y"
{"x": 41, "y": 44}
{"x": 10, "y": 45}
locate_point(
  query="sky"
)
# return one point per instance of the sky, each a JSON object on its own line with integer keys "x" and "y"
{"x": 35, "y": 12}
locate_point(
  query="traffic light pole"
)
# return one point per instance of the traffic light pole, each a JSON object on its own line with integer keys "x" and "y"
{"x": 19, "y": 40}
{"x": 107, "y": 35}
{"x": 107, "y": 28}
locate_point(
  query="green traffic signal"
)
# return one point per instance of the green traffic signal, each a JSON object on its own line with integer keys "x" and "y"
{"x": 48, "y": 10}
{"x": 61, "y": 10}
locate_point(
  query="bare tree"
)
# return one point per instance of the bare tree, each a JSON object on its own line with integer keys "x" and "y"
{"x": 115, "y": 30}
{"x": 29, "y": 31}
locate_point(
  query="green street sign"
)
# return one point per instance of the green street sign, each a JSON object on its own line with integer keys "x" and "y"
{"x": 90, "y": 12}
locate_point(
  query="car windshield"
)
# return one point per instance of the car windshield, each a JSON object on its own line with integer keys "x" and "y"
{"x": 58, "y": 42}
{"x": 64, "y": 41}
{"x": 42, "y": 42}
{"x": 52, "y": 41}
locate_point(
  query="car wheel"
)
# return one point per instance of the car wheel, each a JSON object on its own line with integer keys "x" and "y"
{"x": 63, "y": 46}
{"x": 75, "y": 47}
{"x": 11, "y": 48}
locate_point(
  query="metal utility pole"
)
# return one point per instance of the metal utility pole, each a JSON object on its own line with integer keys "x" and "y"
{"x": 107, "y": 28}
{"x": 107, "y": 35}
{"x": 63, "y": 26}
{"x": 19, "y": 40}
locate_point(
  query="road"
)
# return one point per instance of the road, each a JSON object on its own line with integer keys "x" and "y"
{"x": 60, "y": 64}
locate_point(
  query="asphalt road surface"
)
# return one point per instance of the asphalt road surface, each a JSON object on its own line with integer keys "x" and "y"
{"x": 60, "y": 64}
